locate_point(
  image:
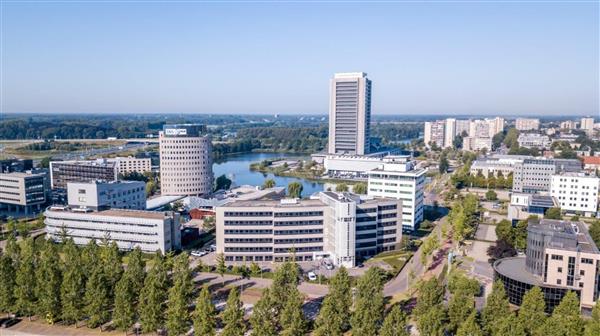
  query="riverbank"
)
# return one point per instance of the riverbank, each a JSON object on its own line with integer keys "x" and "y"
{"x": 284, "y": 167}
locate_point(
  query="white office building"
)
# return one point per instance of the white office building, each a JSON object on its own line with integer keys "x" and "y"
{"x": 449, "y": 132}
{"x": 150, "y": 230}
{"x": 350, "y": 114}
{"x": 587, "y": 124}
{"x": 102, "y": 195}
{"x": 130, "y": 164}
{"x": 534, "y": 140}
{"x": 476, "y": 143}
{"x": 527, "y": 124}
{"x": 185, "y": 160}
{"x": 576, "y": 192}
{"x": 338, "y": 226}
{"x": 401, "y": 181}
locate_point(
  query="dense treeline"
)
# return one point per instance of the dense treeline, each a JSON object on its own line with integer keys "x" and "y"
{"x": 239, "y": 146}
{"x": 390, "y": 133}
{"x": 287, "y": 139}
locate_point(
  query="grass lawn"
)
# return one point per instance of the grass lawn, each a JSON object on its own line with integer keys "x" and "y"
{"x": 396, "y": 259}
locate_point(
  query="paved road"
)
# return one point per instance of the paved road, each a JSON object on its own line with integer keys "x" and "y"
{"x": 401, "y": 283}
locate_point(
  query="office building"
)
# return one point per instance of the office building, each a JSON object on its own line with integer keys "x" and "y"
{"x": 24, "y": 192}
{"x": 130, "y": 164}
{"x": 587, "y": 125}
{"x": 63, "y": 172}
{"x": 185, "y": 160}
{"x": 523, "y": 206}
{"x": 497, "y": 165}
{"x": 535, "y": 174}
{"x": 400, "y": 180}
{"x": 15, "y": 166}
{"x": 560, "y": 257}
{"x": 339, "y": 226}
{"x": 150, "y": 230}
{"x": 102, "y": 195}
{"x": 462, "y": 127}
{"x": 434, "y": 133}
{"x": 534, "y": 140}
{"x": 496, "y": 126}
{"x": 350, "y": 114}
{"x": 358, "y": 166}
{"x": 576, "y": 192}
{"x": 527, "y": 124}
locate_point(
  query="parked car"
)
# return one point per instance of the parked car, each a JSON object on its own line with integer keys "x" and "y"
{"x": 328, "y": 265}
{"x": 312, "y": 276}
{"x": 198, "y": 253}
{"x": 9, "y": 323}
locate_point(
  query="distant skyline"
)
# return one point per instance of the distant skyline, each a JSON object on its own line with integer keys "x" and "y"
{"x": 484, "y": 58}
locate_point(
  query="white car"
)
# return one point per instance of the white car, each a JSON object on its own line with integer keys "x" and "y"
{"x": 312, "y": 276}
{"x": 329, "y": 265}
{"x": 198, "y": 253}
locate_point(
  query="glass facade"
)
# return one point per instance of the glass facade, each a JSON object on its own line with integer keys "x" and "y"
{"x": 515, "y": 290}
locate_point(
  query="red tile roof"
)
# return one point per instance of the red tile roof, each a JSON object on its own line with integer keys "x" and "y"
{"x": 592, "y": 160}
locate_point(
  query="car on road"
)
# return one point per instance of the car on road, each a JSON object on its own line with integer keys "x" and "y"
{"x": 199, "y": 253}
{"x": 312, "y": 276}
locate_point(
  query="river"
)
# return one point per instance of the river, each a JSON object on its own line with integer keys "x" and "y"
{"x": 237, "y": 168}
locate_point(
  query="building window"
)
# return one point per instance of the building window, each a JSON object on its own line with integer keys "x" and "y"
{"x": 559, "y": 282}
{"x": 560, "y": 270}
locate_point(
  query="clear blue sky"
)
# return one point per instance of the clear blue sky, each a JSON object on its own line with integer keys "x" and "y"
{"x": 424, "y": 58}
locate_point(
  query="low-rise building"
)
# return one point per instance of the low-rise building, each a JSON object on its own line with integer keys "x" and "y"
{"x": 561, "y": 257}
{"x": 535, "y": 174}
{"x": 497, "y": 165}
{"x": 576, "y": 192}
{"x": 102, "y": 195}
{"x": 401, "y": 181}
{"x": 534, "y": 140}
{"x": 523, "y": 206}
{"x": 130, "y": 164}
{"x": 24, "y": 192}
{"x": 15, "y": 165}
{"x": 150, "y": 230}
{"x": 527, "y": 124}
{"x": 338, "y": 226}
{"x": 477, "y": 143}
{"x": 591, "y": 163}
{"x": 63, "y": 172}
{"x": 358, "y": 166}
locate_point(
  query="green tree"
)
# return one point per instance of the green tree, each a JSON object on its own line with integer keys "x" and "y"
{"x": 136, "y": 270}
{"x": 7, "y": 283}
{"x": 511, "y": 138}
{"x": 369, "y": 303}
{"x": 96, "y": 299}
{"x": 294, "y": 190}
{"x": 470, "y": 327}
{"x": 269, "y": 183}
{"x": 394, "y": 323}
{"x": 179, "y": 294}
{"x": 25, "y": 284}
{"x": 90, "y": 256}
{"x": 72, "y": 289}
{"x": 431, "y": 293}
{"x": 444, "y": 165}
{"x": 509, "y": 325}
{"x": 504, "y": 231}
{"x": 48, "y": 280}
{"x": 221, "y": 267}
{"x": 13, "y": 250}
{"x": 593, "y": 326}
{"x": 204, "y": 314}
{"x": 532, "y": 312}
{"x": 233, "y": 316}
{"x": 360, "y": 188}
{"x": 566, "y": 316}
{"x": 255, "y": 270}
{"x": 153, "y": 295}
{"x": 333, "y": 318}
{"x": 341, "y": 187}
{"x": 553, "y": 213}
{"x": 491, "y": 195}
{"x": 293, "y": 322}
{"x": 222, "y": 183}
{"x": 45, "y": 162}
{"x": 433, "y": 322}
{"x": 124, "y": 313}
{"x": 460, "y": 307}
{"x": 112, "y": 264}
{"x": 520, "y": 235}
{"x": 495, "y": 308}
{"x": 285, "y": 280}
{"x": 595, "y": 232}
{"x": 262, "y": 320}
{"x": 431, "y": 243}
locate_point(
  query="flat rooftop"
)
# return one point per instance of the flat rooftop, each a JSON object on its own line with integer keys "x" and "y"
{"x": 115, "y": 213}
{"x": 575, "y": 231}
{"x": 287, "y": 203}
{"x": 514, "y": 268}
